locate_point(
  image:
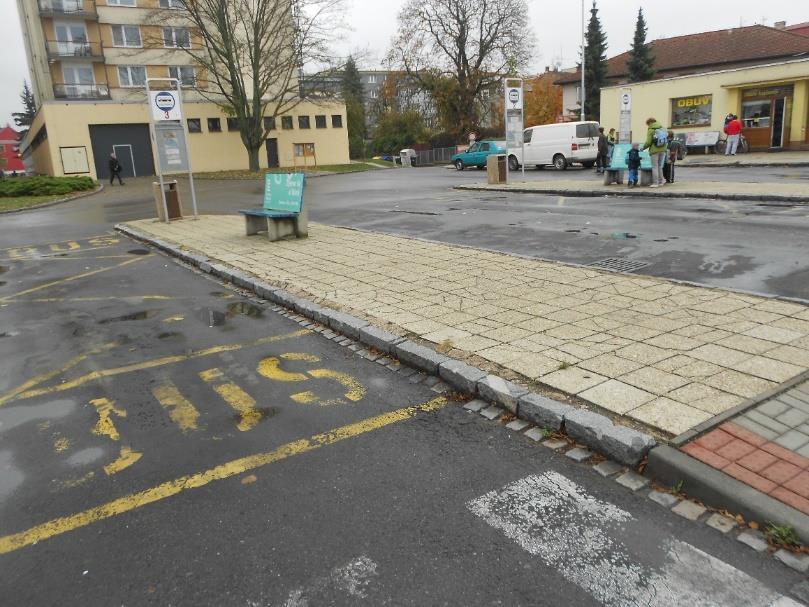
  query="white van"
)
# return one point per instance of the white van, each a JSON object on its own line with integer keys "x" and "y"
{"x": 559, "y": 144}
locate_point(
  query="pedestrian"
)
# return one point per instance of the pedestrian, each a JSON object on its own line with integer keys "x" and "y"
{"x": 603, "y": 149}
{"x": 633, "y": 164}
{"x": 612, "y": 139}
{"x": 656, "y": 142}
{"x": 728, "y": 118}
{"x": 115, "y": 169}
{"x": 675, "y": 145}
{"x": 733, "y": 130}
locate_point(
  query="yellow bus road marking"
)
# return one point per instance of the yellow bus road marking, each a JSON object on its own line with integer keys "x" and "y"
{"x": 93, "y": 299}
{"x": 142, "y": 366}
{"x": 180, "y": 409}
{"x": 126, "y": 458}
{"x": 356, "y": 391}
{"x": 105, "y": 426}
{"x": 70, "y": 245}
{"x": 66, "y": 258}
{"x": 238, "y": 399}
{"x": 71, "y": 278}
{"x": 58, "y": 526}
{"x": 43, "y": 377}
{"x": 99, "y": 239}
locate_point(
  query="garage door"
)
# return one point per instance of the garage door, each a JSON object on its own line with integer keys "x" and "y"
{"x": 131, "y": 144}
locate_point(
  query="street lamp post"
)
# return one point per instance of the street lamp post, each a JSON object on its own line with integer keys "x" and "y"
{"x": 582, "y": 58}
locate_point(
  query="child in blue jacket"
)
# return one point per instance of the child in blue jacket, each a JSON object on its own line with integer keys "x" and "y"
{"x": 633, "y": 163}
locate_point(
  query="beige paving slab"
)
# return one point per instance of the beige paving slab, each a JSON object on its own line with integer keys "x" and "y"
{"x": 697, "y": 351}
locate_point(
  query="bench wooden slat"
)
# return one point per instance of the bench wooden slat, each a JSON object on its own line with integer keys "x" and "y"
{"x": 266, "y": 213}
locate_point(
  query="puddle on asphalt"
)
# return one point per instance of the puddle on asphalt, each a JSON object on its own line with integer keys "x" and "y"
{"x": 3, "y": 269}
{"x": 215, "y": 318}
{"x": 9, "y": 334}
{"x": 85, "y": 456}
{"x": 138, "y": 251}
{"x": 142, "y": 315}
{"x": 661, "y": 239}
{"x": 11, "y": 417}
{"x": 170, "y": 335}
{"x": 573, "y": 231}
{"x": 10, "y": 475}
{"x": 221, "y": 294}
{"x": 2, "y": 282}
{"x": 622, "y": 236}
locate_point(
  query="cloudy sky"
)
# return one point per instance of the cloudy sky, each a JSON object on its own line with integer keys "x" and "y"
{"x": 556, "y": 24}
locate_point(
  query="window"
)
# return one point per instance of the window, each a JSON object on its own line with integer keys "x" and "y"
{"x": 320, "y": 122}
{"x": 194, "y": 125}
{"x": 756, "y": 114}
{"x": 183, "y": 73}
{"x": 304, "y": 150}
{"x": 336, "y": 121}
{"x": 121, "y": 3}
{"x": 374, "y": 94}
{"x": 126, "y": 35}
{"x": 214, "y": 125}
{"x": 526, "y": 136}
{"x": 484, "y": 147}
{"x": 303, "y": 122}
{"x": 286, "y": 123}
{"x": 372, "y": 79}
{"x": 269, "y": 123}
{"x": 691, "y": 111}
{"x": 233, "y": 124}
{"x": 171, "y": 4}
{"x": 131, "y": 75}
{"x": 176, "y": 37}
{"x": 588, "y": 129}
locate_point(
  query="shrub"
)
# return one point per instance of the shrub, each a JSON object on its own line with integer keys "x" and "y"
{"x": 14, "y": 187}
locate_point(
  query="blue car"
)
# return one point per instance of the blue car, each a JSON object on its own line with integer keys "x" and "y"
{"x": 477, "y": 154}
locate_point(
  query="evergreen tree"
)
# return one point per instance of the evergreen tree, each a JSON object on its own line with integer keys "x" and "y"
{"x": 641, "y": 60}
{"x": 595, "y": 65}
{"x": 26, "y": 117}
{"x": 354, "y": 97}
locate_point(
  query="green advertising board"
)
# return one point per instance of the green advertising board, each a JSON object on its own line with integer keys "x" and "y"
{"x": 283, "y": 192}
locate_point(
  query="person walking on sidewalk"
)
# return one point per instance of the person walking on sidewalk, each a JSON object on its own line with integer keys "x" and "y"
{"x": 633, "y": 164}
{"x": 657, "y": 139}
{"x": 733, "y": 130}
{"x": 115, "y": 169}
{"x": 603, "y": 150}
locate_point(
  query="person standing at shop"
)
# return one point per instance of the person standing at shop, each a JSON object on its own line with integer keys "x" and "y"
{"x": 612, "y": 139}
{"x": 657, "y": 139}
{"x": 603, "y": 150}
{"x": 671, "y": 156}
{"x": 733, "y": 130}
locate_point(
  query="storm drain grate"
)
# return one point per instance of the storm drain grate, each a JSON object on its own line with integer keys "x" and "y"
{"x": 618, "y": 264}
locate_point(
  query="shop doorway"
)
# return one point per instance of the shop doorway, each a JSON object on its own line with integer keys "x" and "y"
{"x": 272, "y": 153}
{"x": 778, "y": 122}
{"x": 123, "y": 152}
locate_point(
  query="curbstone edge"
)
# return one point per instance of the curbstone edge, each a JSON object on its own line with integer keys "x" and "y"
{"x": 543, "y": 411}
{"x": 619, "y": 442}
{"x": 418, "y": 356}
{"x": 502, "y": 392}
{"x": 461, "y": 376}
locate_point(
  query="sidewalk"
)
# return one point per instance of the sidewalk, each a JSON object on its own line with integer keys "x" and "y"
{"x": 714, "y": 190}
{"x": 651, "y": 353}
{"x": 753, "y": 159}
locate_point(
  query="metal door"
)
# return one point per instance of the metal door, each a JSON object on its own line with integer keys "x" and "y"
{"x": 778, "y": 109}
{"x": 272, "y": 153}
{"x": 123, "y": 152}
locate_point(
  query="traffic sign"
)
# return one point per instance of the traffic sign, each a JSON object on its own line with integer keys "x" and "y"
{"x": 164, "y": 106}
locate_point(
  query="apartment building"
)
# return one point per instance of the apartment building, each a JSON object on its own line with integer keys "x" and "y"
{"x": 89, "y": 60}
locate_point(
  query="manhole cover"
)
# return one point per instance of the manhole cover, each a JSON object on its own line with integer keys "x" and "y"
{"x": 618, "y": 264}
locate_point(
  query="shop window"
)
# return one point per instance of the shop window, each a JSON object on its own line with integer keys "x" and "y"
{"x": 233, "y": 124}
{"x": 269, "y": 123}
{"x": 286, "y": 123}
{"x": 303, "y": 122}
{"x": 691, "y": 111}
{"x": 756, "y": 114}
{"x": 304, "y": 150}
{"x": 194, "y": 125}
{"x": 320, "y": 122}
{"x": 336, "y": 121}
{"x": 214, "y": 125}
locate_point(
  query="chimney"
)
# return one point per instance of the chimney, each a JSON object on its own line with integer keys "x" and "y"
{"x": 779, "y": 25}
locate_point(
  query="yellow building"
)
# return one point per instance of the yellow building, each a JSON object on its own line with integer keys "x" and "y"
{"x": 89, "y": 62}
{"x": 771, "y": 100}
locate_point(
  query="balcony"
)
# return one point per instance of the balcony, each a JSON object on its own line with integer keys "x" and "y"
{"x": 85, "y": 51}
{"x": 81, "y": 91}
{"x": 79, "y": 9}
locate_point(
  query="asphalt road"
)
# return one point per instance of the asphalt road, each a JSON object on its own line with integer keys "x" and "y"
{"x": 752, "y": 246}
{"x": 167, "y": 441}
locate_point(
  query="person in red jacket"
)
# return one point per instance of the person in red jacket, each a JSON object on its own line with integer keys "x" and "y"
{"x": 733, "y": 129}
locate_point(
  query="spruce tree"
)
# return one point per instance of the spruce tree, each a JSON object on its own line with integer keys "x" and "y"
{"x": 26, "y": 117}
{"x": 595, "y": 65}
{"x": 641, "y": 60}
{"x": 354, "y": 97}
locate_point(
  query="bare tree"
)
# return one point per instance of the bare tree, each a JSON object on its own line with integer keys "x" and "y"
{"x": 459, "y": 50}
{"x": 252, "y": 55}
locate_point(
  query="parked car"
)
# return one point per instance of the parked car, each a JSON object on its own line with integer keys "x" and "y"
{"x": 477, "y": 154}
{"x": 559, "y": 144}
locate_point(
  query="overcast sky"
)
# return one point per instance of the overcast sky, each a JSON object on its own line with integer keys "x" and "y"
{"x": 556, "y": 25}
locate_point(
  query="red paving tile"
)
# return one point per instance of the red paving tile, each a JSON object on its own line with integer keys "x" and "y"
{"x": 714, "y": 439}
{"x": 791, "y": 499}
{"x": 705, "y": 456}
{"x": 743, "y": 433}
{"x": 780, "y": 472}
{"x": 790, "y": 456}
{"x": 757, "y": 460}
{"x": 799, "y": 484}
{"x": 749, "y": 478}
{"x": 735, "y": 449}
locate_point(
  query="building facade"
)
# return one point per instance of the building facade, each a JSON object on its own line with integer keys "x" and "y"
{"x": 10, "y": 161}
{"x": 89, "y": 60}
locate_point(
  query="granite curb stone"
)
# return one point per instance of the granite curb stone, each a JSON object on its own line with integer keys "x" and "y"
{"x": 498, "y": 390}
{"x": 543, "y": 411}
{"x": 461, "y": 376}
{"x": 383, "y": 341}
{"x": 622, "y": 444}
{"x": 420, "y": 357}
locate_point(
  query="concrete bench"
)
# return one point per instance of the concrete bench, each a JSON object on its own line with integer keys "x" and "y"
{"x": 615, "y": 172}
{"x": 279, "y": 218}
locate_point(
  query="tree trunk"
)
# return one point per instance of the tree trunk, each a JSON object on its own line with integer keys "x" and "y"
{"x": 252, "y": 156}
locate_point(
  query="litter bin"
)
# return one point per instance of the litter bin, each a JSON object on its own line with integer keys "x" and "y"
{"x": 408, "y": 157}
{"x": 496, "y": 168}
{"x": 173, "y": 205}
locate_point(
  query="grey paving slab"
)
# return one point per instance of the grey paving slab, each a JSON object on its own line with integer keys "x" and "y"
{"x": 792, "y": 401}
{"x": 492, "y": 412}
{"x": 517, "y": 425}
{"x": 667, "y": 500}
{"x": 792, "y": 440}
{"x": 803, "y": 451}
{"x": 793, "y": 417}
{"x": 579, "y": 454}
{"x": 767, "y": 422}
{"x": 720, "y": 522}
{"x": 554, "y": 443}
{"x": 608, "y": 468}
{"x": 772, "y": 408}
{"x": 632, "y": 480}
{"x": 535, "y": 434}
{"x": 690, "y": 510}
{"x": 798, "y": 562}
{"x": 754, "y": 539}
{"x": 748, "y": 423}
{"x": 476, "y": 405}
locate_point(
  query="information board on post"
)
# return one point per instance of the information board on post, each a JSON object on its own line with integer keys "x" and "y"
{"x": 284, "y": 192}
{"x": 514, "y": 118}
{"x": 171, "y": 147}
{"x": 625, "y": 117}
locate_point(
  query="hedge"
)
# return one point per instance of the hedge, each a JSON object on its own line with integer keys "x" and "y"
{"x": 14, "y": 187}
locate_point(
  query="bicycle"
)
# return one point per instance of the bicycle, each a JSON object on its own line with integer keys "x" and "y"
{"x": 742, "y": 148}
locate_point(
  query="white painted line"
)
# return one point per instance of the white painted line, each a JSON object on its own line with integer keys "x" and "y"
{"x": 351, "y": 579}
{"x": 555, "y": 519}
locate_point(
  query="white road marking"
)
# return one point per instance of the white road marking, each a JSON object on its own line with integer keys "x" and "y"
{"x": 555, "y": 519}
{"x": 351, "y": 579}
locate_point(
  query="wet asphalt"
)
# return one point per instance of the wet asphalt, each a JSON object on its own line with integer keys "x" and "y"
{"x": 95, "y": 327}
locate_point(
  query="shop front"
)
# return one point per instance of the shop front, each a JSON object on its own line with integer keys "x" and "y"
{"x": 766, "y": 114}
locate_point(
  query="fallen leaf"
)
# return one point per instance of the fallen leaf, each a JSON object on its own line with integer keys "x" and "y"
{"x": 250, "y": 478}
{"x": 752, "y": 525}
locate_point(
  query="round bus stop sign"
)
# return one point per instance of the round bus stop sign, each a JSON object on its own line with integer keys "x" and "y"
{"x": 165, "y": 102}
